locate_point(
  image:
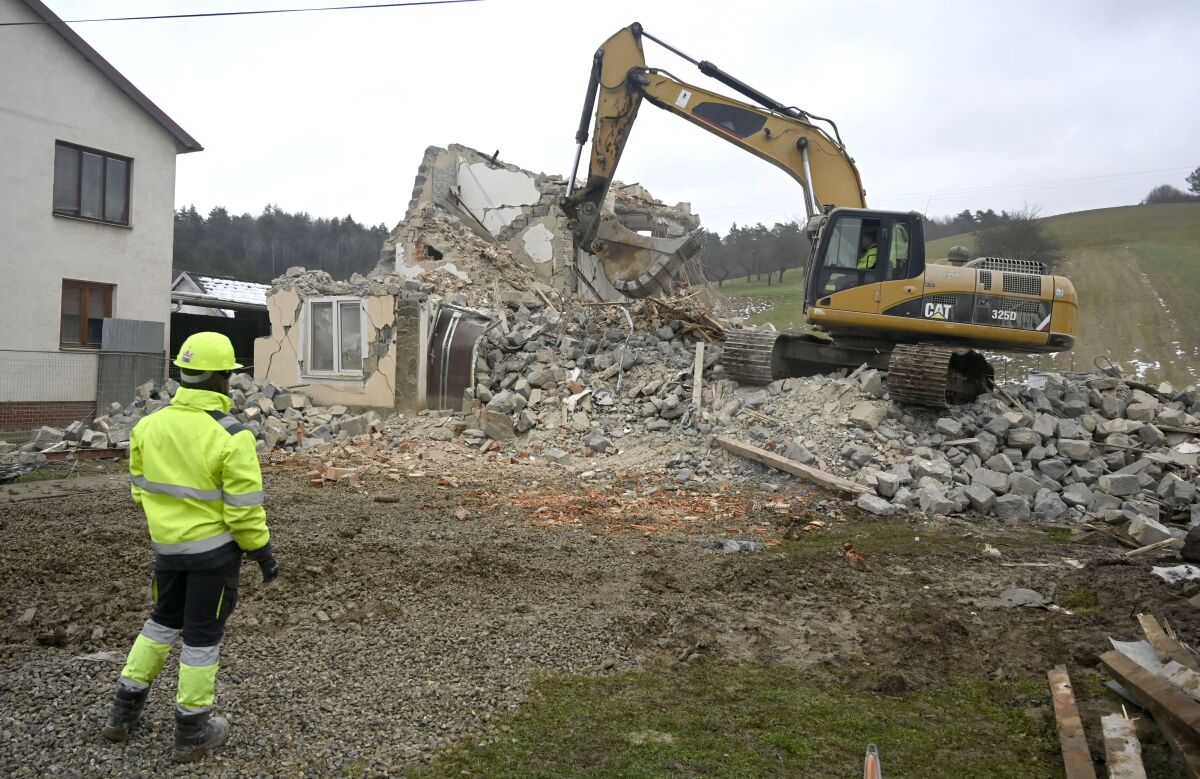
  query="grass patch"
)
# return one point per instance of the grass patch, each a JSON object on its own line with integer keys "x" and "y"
{"x": 1059, "y": 535}
{"x": 721, "y": 720}
{"x": 786, "y": 299}
{"x": 1081, "y": 601}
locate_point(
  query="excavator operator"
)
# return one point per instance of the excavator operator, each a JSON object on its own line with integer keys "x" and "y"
{"x": 868, "y": 247}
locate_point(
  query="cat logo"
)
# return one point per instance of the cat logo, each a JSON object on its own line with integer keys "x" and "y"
{"x": 938, "y": 310}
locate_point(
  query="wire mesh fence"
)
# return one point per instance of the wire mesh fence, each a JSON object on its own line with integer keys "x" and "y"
{"x": 58, "y": 387}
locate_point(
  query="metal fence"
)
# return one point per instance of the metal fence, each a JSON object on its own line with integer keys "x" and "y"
{"x": 56, "y": 387}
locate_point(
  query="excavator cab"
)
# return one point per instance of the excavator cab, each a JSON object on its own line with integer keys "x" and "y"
{"x": 857, "y": 252}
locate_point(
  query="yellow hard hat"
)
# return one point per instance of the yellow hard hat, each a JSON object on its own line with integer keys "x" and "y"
{"x": 207, "y": 352}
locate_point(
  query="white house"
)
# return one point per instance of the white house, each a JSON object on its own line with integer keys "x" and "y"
{"x": 87, "y": 199}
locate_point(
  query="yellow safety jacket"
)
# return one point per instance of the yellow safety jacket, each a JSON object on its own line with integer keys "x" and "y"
{"x": 868, "y": 258}
{"x": 196, "y": 475}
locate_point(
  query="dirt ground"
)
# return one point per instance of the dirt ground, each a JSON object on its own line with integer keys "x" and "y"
{"x": 401, "y": 628}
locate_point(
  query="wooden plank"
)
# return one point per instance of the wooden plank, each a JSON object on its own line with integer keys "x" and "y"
{"x": 698, "y": 374}
{"x": 1122, "y": 750}
{"x": 1164, "y": 700}
{"x": 1077, "y": 760}
{"x": 1165, "y": 647}
{"x": 786, "y": 465}
{"x": 1166, "y": 542}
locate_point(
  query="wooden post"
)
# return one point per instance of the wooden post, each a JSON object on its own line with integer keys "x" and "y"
{"x": 1077, "y": 760}
{"x": 698, "y": 374}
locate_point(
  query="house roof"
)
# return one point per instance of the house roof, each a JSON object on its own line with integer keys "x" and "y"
{"x": 186, "y": 142}
{"x": 224, "y": 288}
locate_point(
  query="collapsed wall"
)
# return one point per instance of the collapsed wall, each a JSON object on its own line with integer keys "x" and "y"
{"x": 460, "y": 192}
{"x": 383, "y": 339}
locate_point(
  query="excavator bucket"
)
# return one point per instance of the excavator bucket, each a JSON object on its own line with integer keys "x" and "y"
{"x": 640, "y": 266}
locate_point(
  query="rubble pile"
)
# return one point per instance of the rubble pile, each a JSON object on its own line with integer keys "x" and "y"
{"x": 282, "y": 419}
{"x": 1087, "y": 447}
{"x": 598, "y": 388}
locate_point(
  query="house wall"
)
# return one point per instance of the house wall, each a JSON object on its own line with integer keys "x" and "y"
{"x": 390, "y": 364}
{"x": 60, "y": 96}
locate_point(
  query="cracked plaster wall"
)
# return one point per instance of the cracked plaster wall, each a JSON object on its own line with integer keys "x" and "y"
{"x": 517, "y": 208}
{"x": 392, "y": 343}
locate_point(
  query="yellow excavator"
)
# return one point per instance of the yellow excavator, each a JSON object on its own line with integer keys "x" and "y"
{"x": 869, "y": 295}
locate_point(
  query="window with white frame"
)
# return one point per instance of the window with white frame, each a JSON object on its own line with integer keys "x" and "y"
{"x": 335, "y": 336}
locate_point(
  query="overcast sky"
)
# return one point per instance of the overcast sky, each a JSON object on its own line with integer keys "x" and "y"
{"x": 945, "y": 105}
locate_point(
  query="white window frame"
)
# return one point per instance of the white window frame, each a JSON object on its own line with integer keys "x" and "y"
{"x": 307, "y": 335}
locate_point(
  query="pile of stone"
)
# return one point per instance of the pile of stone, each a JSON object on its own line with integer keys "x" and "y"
{"x": 279, "y": 418}
{"x": 1089, "y": 447}
{"x": 584, "y": 380}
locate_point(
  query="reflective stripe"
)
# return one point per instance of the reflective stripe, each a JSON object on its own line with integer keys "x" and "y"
{"x": 194, "y": 547}
{"x": 160, "y": 633}
{"x": 228, "y": 422}
{"x": 200, "y": 656}
{"x": 186, "y": 711}
{"x": 175, "y": 490}
{"x": 246, "y": 499}
{"x": 132, "y": 685}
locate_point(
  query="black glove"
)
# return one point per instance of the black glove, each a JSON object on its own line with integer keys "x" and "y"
{"x": 266, "y": 563}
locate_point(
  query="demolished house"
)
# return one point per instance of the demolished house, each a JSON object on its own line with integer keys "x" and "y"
{"x": 479, "y": 236}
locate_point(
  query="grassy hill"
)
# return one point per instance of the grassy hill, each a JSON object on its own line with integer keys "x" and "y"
{"x": 1135, "y": 269}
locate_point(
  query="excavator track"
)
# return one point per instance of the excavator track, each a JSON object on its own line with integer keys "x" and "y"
{"x": 937, "y": 376}
{"x": 749, "y": 356}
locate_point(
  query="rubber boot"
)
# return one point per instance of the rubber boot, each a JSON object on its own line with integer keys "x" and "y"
{"x": 126, "y": 710}
{"x": 198, "y": 734}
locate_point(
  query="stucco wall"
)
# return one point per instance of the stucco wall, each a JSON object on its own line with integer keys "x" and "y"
{"x": 48, "y": 93}
{"x": 278, "y": 358}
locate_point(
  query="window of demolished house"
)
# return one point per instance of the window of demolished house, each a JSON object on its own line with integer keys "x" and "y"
{"x": 335, "y": 337}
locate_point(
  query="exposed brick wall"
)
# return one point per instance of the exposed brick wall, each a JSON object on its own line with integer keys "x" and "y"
{"x": 24, "y": 416}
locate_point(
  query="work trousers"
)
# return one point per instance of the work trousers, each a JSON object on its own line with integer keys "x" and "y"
{"x": 196, "y": 604}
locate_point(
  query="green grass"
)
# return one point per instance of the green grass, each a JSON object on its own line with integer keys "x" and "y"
{"x": 1135, "y": 269}
{"x": 722, "y": 720}
{"x": 787, "y": 299}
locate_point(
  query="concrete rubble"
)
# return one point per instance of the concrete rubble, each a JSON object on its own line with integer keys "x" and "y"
{"x": 583, "y": 389}
{"x": 596, "y": 386}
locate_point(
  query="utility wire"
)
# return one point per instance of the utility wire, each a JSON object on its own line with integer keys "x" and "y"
{"x": 246, "y": 13}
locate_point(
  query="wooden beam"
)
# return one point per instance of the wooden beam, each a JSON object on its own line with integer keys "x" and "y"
{"x": 1165, "y": 701}
{"x": 1165, "y": 647}
{"x": 698, "y": 374}
{"x": 1157, "y": 545}
{"x": 786, "y": 465}
{"x": 1122, "y": 750}
{"x": 1077, "y": 760}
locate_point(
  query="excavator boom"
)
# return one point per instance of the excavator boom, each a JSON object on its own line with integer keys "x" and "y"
{"x": 786, "y": 137}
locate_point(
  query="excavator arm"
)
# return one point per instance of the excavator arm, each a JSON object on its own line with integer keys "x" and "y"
{"x": 782, "y": 135}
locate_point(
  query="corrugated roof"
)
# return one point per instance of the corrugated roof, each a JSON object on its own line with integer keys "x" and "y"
{"x": 225, "y": 288}
{"x": 185, "y": 141}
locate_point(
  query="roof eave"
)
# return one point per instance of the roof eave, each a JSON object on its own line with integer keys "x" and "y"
{"x": 184, "y": 142}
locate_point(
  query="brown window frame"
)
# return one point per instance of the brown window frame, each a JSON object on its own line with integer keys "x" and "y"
{"x": 76, "y": 212}
{"x": 84, "y": 287}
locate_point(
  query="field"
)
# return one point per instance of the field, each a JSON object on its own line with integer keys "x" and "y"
{"x": 1134, "y": 268}
{"x": 457, "y": 632}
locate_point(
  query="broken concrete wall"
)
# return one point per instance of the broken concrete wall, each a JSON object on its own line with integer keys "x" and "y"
{"x": 390, "y": 321}
{"x": 517, "y": 211}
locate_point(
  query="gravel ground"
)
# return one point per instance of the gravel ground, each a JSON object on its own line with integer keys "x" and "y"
{"x": 400, "y": 628}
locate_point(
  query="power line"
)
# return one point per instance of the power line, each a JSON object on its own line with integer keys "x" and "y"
{"x": 246, "y": 13}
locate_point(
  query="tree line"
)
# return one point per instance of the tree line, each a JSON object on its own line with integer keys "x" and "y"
{"x": 1166, "y": 193}
{"x": 260, "y": 248}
